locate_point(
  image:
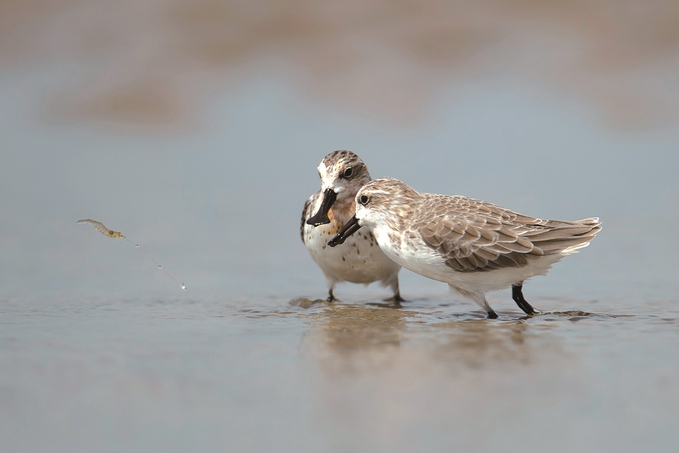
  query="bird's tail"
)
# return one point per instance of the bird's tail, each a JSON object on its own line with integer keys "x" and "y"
{"x": 564, "y": 237}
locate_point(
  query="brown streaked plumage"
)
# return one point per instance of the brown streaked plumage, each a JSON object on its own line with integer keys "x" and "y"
{"x": 472, "y": 245}
{"x": 342, "y": 174}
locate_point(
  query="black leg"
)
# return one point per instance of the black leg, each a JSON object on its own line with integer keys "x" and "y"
{"x": 492, "y": 315}
{"x": 523, "y": 304}
{"x": 397, "y": 297}
{"x": 331, "y": 296}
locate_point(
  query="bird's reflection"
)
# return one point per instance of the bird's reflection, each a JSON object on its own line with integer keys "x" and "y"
{"x": 356, "y": 338}
{"x": 379, "y": 372}
{"x": 350, "y": 337}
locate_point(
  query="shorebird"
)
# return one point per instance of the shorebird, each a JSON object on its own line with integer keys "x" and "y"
{"x": 342, "y": 174}
{"x": 472, "y": 245}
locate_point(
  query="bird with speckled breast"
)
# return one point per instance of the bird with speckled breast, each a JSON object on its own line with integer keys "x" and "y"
{"x": 342, "y": 174}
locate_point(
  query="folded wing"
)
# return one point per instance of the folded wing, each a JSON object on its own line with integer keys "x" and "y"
{"x": 476, "y": 236}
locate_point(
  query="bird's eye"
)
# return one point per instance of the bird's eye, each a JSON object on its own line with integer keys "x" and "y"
{"x": 364, "y": 199}
{"x": 348, "y": 172}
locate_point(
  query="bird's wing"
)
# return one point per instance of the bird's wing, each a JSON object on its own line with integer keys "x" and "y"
{"x": 475, "y": 236}
{"x": 306, "y": 213}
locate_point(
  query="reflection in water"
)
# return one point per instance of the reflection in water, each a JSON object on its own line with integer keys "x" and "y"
{"x": 383, "y": 374}
{"x": 477, "y": 344}
{"x": 349, "y": 330}
{"x": 349, "y": 333}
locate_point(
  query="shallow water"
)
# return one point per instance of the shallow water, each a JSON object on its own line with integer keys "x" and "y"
{"x": 169, "y": 375}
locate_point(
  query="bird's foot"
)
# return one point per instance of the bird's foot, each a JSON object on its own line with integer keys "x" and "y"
{"x": 396, "y": 299}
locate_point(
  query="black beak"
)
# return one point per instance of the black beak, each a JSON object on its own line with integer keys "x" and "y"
{"x": 321, "y": 217}
{"x": 347, "y": 230}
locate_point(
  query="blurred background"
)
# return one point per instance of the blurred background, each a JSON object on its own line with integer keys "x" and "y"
{"x": 195, "y": 128}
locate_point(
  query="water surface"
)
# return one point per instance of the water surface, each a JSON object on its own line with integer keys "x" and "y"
{"x": 170, "y": 375}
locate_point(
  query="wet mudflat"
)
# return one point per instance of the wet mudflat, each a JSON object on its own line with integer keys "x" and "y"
{"x": 163, "y": 375}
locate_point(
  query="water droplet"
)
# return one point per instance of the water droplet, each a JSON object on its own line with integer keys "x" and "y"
{"x": 160, "y": 266}
{"x": 136, "y": 245}
{"x": 184, "y": 287}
